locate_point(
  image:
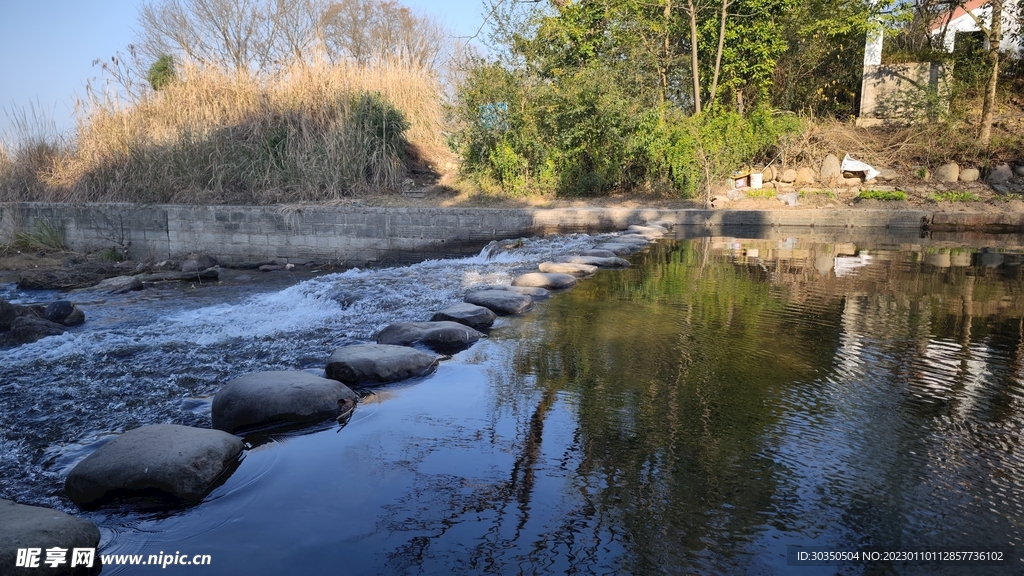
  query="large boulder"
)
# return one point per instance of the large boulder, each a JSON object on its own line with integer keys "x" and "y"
{"x": 476, "y": 317}
{"x": 368, "y": 364}
{"x": 948, "y": 172}
{"x": 532, "y": 292}
{"x": 279, "y": 398}
{"x": 198, "y": 262}
{"x": 788, "y": 176}
{"x": 831, "y": 173}
{"x": 64, "y": 312}
{"x": 445, "y": 336}
{"x": 10, "y": 312}
{"x": 599, "y": 261}
{"x": 577, "y": 270}
{"x": 804, "y": 175}
{"x": 501, "y": 302}
{"x": 31, "y": 527}
{"x": 970, "y": 175}
{"x": 173, "y": 462}
{"x": 27, "y": 329}
{"x": 548, "y": 280}
{"x": 1000, "y": 174}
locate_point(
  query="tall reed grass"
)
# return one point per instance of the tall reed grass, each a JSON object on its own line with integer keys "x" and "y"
{"x": 310, "y": 133}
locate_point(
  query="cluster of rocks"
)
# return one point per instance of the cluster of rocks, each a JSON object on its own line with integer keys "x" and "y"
{"x": 169, "y": 464}
{"x": 78, "y": 273}
{"x": 829, "y": 176}
{"x": 23, "y": 324}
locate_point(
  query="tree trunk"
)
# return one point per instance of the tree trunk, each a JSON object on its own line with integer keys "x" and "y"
{"x": 663, "y": 69}
{"x": 988, "y": 107}
{"x": 693, "y": 57}
{"x": 718, "y": 54}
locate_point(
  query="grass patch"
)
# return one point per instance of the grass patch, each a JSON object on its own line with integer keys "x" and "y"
{"x": 761, "y": 193}
{"x": 830, "y": 194}
{"x": 882, "y": 195}
{"x": 46, "y": 238}
{"x": 954, "y": 197}
{"x": 1010, "y": 197}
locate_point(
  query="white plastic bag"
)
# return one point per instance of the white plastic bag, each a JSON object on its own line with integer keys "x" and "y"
{"x": 851, "y": 165}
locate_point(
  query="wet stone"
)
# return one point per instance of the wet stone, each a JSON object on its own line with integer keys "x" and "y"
{"x": 621, "y": 249}
{"x": 369, "y": 364}
{"x": 548, "y": 280}
{"x": 577, "y": 270}
{"x": 598, "y": 253}
{"x": 24, "y": 526}
{"x": 532, "y": 292}
{"x": 649, "y": 232}
{"x": 177, "y": 462}
{"x": 444, "y": 336}
{"x": 501, "y": 302}
{"x": 279, "y": 398}
{"x": 599, "y": 261}
{"x": 476, "y": 317}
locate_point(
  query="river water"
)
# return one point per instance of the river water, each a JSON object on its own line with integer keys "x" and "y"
{"x": 717, "y": 407}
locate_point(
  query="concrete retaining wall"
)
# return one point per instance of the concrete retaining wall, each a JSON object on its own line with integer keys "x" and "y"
{"x": 354, "y": 235}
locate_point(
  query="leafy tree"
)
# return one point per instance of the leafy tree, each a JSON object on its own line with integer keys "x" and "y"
{"x": 161, "y": 73}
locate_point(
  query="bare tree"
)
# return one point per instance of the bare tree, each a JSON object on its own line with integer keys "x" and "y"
{"x": 236, "y": 33}
{"x": 374, "y": 30}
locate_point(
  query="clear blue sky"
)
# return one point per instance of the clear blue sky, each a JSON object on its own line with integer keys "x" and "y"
{"x": 47, "y": 47}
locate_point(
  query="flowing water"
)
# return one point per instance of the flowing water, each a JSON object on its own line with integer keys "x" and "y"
{"x": 712, "y": 409}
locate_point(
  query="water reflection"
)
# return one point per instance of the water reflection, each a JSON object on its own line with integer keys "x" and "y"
{"x": 697, "y": 413}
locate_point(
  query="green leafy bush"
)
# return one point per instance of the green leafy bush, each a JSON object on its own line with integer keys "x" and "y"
{"x": 161, "y": 73}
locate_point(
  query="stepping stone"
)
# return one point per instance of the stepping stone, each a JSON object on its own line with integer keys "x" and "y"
{"x": 444, "y": 336}
{"x": 621, "y": 249}
{"x": 666, "y": 224}
{"x": 501, "y": 302}
{"x": 177, "y": 461}
{"x": 645, "y": 231}
{"x": 279, "y": 398}
{"x": 549, "y": 280}
{"x": 632, "y": 239}
{"x": 476, "y": 317}
{"x": 599, "y": 261}
{"x": 648, "y": 226}
{"x": 577, "y": 270}
{"x": 598, "y": 253}
{"x": 369, "y": 364}
{"x": 24, "y": 527}
{"x": 532, "y": 292}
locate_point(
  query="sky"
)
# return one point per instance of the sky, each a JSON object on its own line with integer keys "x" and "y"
{"x": 47, "y": 49}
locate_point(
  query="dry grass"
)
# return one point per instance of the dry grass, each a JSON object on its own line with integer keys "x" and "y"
{"x": 310, "y": 133}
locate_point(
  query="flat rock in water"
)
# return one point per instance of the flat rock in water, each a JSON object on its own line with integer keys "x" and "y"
{"x": 444, "y": 336}
{"x": 368, "y": 364}
{"x": 648, "y": 226}
{"x": 24, "y": 526}
{"x": 471, "y": 315}
{"x": 649, "y": 232}
{"x": 532, "y": 292}
{"x": 666, "y": 224}
{"x": 501, "y": 302}
{"x": 174, "y": 461}
{"x": 279, "y": 398}
{"x": 621, "y": 249}
{"x": 549, "y": 280}
{"x": 636, "y": 239}
{"x": 171, "y": 276}
{"x": 599, "y": 253}
{"x": 600, "y": 262}
{"x": 577, "y": 270}
{"x": 117, "y": 285}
